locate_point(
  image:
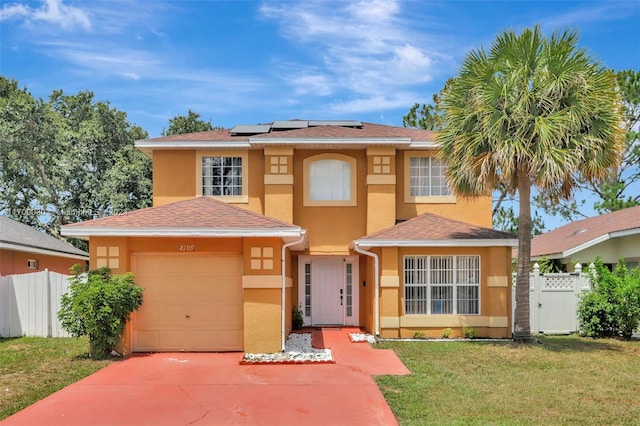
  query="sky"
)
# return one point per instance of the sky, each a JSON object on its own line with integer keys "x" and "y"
{"x": 249, "y": 62}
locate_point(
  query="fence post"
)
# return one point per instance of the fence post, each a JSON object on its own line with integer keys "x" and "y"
{"x": 534, "y": 305}
{"x": 577, "y": 290}
{"x": 49, "y": 309}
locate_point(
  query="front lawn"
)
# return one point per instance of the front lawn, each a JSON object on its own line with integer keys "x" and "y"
{"x": 564, "y": 380}
{"x": 33, "y": 367}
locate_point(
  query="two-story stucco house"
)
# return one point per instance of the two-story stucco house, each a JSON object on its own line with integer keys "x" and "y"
{"x": 351, "y": 223}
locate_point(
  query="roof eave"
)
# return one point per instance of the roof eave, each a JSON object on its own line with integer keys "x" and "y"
{"x": 30, "y": 249}
{"x": 601, "y": 239}
{"x": 85, "y": 232}
{"x": 438, "y": 243}
{"x": 330, "y": 141}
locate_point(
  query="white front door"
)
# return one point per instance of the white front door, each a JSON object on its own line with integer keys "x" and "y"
{"x": 328, "y": 290}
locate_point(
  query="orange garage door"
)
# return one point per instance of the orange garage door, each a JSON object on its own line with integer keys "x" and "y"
{"x": 191, "y": 302}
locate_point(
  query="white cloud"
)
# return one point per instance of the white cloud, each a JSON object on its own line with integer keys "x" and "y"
{"x": 52, "y": 11}
{"x": 592, "y": 12}
{"x": 366, "y": 48}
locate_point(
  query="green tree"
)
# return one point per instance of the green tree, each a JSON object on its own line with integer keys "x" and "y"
{"x": 619, "y": 189}
{"x": 530, "y": 111}
{"x": 67, "y": 159}
{"x": 190, "y": 123}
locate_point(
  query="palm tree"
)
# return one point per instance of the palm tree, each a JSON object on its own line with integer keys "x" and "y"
{"x": 532, "y": 111}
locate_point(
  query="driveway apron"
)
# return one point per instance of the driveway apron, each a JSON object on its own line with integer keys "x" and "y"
{"x": 213, "y": 389}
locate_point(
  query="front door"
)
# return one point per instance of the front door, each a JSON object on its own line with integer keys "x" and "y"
{"x": 328, "y": 290}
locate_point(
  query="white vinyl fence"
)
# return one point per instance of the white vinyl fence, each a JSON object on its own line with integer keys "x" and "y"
{"x": 554, "y": 299}
{"x": 29, "y": 304}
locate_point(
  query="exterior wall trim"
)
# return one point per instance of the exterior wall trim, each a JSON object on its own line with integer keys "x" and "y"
{"x": 278, "y": 179}
{"x": 389, "y": 281}
{"x": 381, "y": 179}
{"x": 498, "y": 281}
{"x": 265, "y": 281}
{"x": 453, "y": 321}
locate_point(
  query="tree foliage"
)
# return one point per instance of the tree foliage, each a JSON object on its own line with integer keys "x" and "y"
{"x": 66, "y": 159}
{"x": 532, "y": 111}
{"x": 618, "y": 190}
{"x": 612, "y": 309}
{"x": 98, "y": 305}
{"x": 190, "y": 123}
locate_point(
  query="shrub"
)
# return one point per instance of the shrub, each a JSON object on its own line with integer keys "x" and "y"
{"x": 612, "y": 309}
{"x": 418, "y": 334}
{"x": 298, "y": 319}
{"x": 446, "y": 333}
{"x": 469, "y": 332}
{"x": 98, "y": 305}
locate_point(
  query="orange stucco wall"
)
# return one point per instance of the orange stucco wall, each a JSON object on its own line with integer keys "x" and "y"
{"x": 495, "y": 290}
{"x": 330, "y": 228}
{"x": 174, "y": 176}
{"x": 471, "y": 210}
{"x": 15, "y": 262}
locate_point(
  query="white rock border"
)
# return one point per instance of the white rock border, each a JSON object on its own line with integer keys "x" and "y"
{"x": 362, "y": 337}
{"x": 298, "y": 350}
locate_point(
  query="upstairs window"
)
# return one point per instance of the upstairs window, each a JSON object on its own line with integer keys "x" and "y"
{"x": 427, "y": 177}
{"x": 330, "y": 180}
{"x": 222, "y": 176}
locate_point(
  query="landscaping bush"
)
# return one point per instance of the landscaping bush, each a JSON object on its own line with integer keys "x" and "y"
{"x": 612, "y": 309}
{"x": 98, "y": 305}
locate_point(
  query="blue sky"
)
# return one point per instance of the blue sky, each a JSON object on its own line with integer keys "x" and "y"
{"x": 245, "y": 62}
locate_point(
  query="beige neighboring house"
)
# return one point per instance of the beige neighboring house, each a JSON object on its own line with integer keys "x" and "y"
{"x": 611, "y": 236}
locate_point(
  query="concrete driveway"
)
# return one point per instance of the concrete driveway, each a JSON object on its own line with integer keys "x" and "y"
{"x": 213, "y": 389}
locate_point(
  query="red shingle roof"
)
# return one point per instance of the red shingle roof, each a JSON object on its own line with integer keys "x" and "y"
{"x": 575, "y": 234}
{"x": 203, "y": 213}
{"x": 431, "y": 228}
{"x": 368, "y": 130}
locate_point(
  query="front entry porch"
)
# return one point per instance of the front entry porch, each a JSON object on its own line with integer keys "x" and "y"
{"x": 328, "y": 290}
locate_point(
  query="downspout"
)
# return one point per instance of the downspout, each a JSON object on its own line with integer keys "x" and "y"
{"x": 376, "y": 286}
{"x": 284, "y": 285}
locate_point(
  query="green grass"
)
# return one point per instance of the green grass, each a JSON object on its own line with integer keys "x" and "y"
{"x": 564, "y": 380}
{"x": 32, "y": 368}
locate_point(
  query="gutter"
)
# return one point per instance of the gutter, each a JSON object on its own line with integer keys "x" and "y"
{"x": 376, "y": 291}
{"x": 284, "y": 285}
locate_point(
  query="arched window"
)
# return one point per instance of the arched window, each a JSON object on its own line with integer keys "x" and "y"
{"x": 330, "y": 180}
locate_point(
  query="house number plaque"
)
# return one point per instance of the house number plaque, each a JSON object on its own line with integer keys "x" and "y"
{"x": 187, "y": 247}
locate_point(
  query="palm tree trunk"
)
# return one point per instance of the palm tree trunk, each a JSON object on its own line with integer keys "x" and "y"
{"x": 522, "y": 328}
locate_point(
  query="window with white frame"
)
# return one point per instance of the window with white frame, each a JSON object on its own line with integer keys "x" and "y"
{"x": 442, "y": 285}
{"x": 427, "y": 177}
{"x": 222, "y": 176}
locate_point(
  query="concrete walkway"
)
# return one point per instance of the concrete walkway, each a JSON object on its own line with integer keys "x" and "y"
{"x": 213, "y": 389}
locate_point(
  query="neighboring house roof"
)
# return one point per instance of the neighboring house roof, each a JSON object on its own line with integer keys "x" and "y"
{"x": 430, "y": 230}
{"x": 200, "y": 216}
{"x": 582, "y": 234}
{"x": 17, "y": 236}
{"x": 324, "y": 132}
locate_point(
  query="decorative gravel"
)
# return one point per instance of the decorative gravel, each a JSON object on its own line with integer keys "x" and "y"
{"x": 298, "y": 350}
{"x": 362, "y": 337}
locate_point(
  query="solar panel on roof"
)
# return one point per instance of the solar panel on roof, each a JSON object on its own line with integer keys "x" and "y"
{"x": 251, "y": 129}
{"x": 341, "y": 123}
{"x": 290, "y": 124}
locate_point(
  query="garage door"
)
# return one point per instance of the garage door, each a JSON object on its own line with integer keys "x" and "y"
{"x": 191, "y": 302}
